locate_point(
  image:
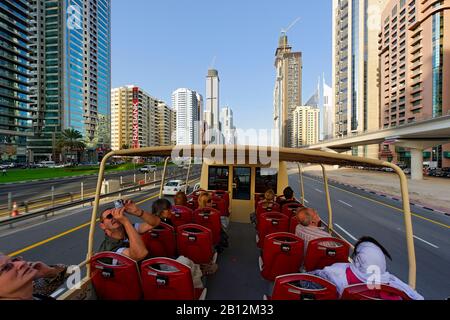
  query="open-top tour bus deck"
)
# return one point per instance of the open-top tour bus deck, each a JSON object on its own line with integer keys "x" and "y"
{"x": 235, "y": 175}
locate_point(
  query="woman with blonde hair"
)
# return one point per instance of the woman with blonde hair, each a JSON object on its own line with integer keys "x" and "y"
{"x": 204, "y": 200}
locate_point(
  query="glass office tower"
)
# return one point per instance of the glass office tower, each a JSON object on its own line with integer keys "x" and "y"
{"x": 15, "y": 72}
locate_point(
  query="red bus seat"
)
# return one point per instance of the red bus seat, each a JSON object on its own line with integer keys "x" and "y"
{"x": 293, "y": 224}
{"x": 296, "y": 287}
{"x": 209, "y": 218}
{"x": 258, "y": 197}
{"x": 282, "y": 254}
{"x": 290, "y": 209}
{"x": 321, "y": 254}
{"x": 120, "y": 281}
{"x": 271, "y": 222}
{"x": 275, "y": 207}
{"x": 167, "y": 279}
{"x": 363, "y": 292}
{"x": 161, "y": 241}
{"x": 224, "y": 195}
{"x": 181, "y": 215}
{"x": 220, "y": 205}
{"x": 195, "y": 242}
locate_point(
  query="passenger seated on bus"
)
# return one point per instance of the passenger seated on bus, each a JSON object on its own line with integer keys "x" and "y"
{"x": 369, "y": 261}
{"x": 181, "y": 199}
{"x": 23, "y": 280}
{"x": 269, "y": 199}
{"x": 288, "y": 194}
{"x": 121, "y": 235}
{"x": 204, "y": 200}
{"x": 309, "y": 229}
{"x": 162, "y": 208}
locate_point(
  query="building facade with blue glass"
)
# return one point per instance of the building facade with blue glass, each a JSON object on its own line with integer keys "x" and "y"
{"x": 73, "y": 75}
{"x": 15, "y": 73}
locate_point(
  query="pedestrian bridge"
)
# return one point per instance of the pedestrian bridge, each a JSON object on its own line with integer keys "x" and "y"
{"x": 416, "y": 136}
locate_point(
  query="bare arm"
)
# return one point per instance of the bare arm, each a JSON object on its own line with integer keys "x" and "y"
{"x": 137, "y": 250}
{"x": 150, "y": 220}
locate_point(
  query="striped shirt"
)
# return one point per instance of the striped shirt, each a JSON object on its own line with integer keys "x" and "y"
{"x": 312, "y": 233}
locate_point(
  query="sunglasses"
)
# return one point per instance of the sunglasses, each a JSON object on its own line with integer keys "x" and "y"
{"x": 108, "y": 217}
{"x": 8, "y": 266}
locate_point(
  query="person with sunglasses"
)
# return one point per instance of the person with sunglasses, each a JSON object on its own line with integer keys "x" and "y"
{"x": 23, "y": 280}
{"x": 123, "y": 237}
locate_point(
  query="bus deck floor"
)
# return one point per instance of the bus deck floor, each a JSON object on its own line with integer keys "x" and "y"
{"x": 238, "y": 276}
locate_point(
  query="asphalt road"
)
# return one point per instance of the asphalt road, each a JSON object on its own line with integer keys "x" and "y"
{"x": 34, "y": 190}
{"x": 63, "y": 239}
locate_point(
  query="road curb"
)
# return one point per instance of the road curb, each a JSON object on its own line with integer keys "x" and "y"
{"x": 389, "y": 197}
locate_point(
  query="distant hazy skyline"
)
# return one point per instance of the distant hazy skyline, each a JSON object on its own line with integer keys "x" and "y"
{"x": 165, "y": 45}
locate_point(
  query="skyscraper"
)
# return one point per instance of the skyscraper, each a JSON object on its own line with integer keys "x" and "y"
{"x": 164, "y": 118}
{"x": 211, "y": 114}
{"x": 415, "y": 71}
{"x": 185, "y": 103}
{"x": 228, "y": 128}
{"x": 134, "y": 118}
{"x": 288, "y": 89}
{"x": 15, "y": 72}
{"x": 72, "y": 75}
{"x": 323, "y": 100}
{"x": 356, "y": 25}
{"x": 305, "y": 126}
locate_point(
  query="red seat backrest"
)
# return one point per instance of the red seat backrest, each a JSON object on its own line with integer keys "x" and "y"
{"x": 282, "y": 254}
{"x": 223, "y": 195}
{"x": 290, "y": 209}
{"x": 115, "y": 282}
{"x": 271, "y": 222}
{"x": 275, "y": 207}
{"x": 166, "y": 279}
{"x": 220, "y": 205}
{"x": 181, "y": 215}
{"x": 383, "y": 292}
{"x": 209, "y": 218}
{"x": 161, "y": 241}
{"x": 294, "y": 287}
{"x": 321, "y": 254}
{"x": 258, "y": 197}
{"x": 195, "y": 242}
{"x": 293, "y": 224}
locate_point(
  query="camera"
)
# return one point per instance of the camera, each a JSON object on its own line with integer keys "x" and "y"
{"x": 119, "y": 204}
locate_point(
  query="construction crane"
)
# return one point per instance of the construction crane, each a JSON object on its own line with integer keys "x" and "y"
{"x": 284, "y": 31}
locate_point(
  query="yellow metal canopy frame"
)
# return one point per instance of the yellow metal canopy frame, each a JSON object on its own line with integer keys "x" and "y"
{"x": 241, "y": 155}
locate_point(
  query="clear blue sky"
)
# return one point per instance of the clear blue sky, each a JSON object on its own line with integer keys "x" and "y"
{"x": 165, "y": 45}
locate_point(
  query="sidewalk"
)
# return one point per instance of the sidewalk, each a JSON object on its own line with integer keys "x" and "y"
{"x": 432, "y": 193}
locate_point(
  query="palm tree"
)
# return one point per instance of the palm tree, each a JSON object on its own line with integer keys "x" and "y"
{"x": 71, "y": 143}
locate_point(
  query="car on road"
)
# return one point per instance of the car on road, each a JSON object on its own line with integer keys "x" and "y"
{"x": 47, "y": 164}
{"x": 148, "y": 168}
{"x": 173, "y": 186}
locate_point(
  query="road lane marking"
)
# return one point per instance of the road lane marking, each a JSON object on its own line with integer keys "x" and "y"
{"x": 428, "y": 243}
{"x": 345, "y": 203}
{"x": 320, "y": 191}
{"x": 346, "y": 232}
{"x": 38, "y": 244}
{"x": 48, "y": 240}
{"x": 386, "y": 205}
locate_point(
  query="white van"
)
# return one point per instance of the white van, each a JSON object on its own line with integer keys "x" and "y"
{"x": 47, "y": 164}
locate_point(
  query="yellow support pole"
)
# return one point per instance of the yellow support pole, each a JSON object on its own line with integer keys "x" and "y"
{"x": 95, "y": 210}
{"x": 408, "y": 224}
{"x": 327, "y": 193}
{"x": 163, "y": 178}
{"x": 302, "y": 186}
